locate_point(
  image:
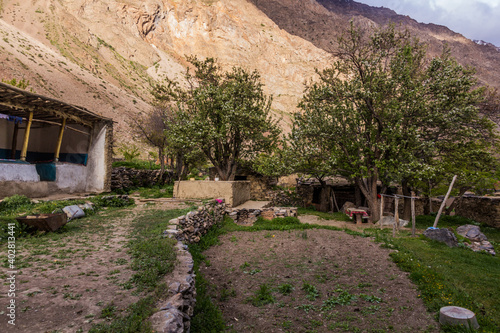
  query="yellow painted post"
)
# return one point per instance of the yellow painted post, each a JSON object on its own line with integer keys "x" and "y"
{"x": 59, "y": 140}
{"x": 24, "y": 151}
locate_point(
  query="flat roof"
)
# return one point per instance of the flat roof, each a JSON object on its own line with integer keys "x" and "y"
{"x": 18, "y": 102}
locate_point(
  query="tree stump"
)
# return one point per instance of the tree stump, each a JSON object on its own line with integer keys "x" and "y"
{"x": 454, "y": 315}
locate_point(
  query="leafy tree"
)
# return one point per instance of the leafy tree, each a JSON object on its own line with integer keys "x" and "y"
{"x": 224, "y": 114}
{"x": 383, "y": 114}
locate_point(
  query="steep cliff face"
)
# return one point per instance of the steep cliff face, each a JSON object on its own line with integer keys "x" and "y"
{"x": 102, "y": 54}
{"x": 125, "y": 43}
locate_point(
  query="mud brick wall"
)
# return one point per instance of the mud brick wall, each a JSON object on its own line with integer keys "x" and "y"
{"x": 481, "y": 209}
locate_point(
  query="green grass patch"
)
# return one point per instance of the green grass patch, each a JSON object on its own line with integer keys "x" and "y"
{"x": 338, "y": 216}
{"x": 137, "y": 164}
{"x": 262, "y": 296}
{"x": 207, "y": 316}
{"x": 166, "y": 191}
{"x": 451, "y": 276}
{"x": 153, "y": 256}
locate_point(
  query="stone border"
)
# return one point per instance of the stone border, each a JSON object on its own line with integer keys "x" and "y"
{"x": 174, "y": 315}
{"x": 249, "y": 216}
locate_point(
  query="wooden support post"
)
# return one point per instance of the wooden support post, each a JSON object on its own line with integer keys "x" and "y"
{"x": 413, "y": 221}
{"x": 24, "y": 151}
{"x": 396, "y": 213}
{"x": 14, "y": 142}
{"x": 443, "y": 204}
{"x": 381, "y": 211}
{"x": 59, "y": 140}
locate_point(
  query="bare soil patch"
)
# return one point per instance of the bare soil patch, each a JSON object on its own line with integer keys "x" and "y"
{"x": 336, "y": 282}
{"x": 66, "y": 279}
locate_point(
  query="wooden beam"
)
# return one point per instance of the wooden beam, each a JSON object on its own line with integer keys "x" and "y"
{"x": 59, "y": 140}
{"x": 19, "y": 105}
{"x": 14, "y": 142}
{"x": 26, "y": 137}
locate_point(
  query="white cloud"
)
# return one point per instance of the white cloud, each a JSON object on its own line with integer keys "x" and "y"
{"x": 475, "y": 19}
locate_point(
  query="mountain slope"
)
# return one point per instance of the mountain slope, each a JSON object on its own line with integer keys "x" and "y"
{"x": 103, "y": 54}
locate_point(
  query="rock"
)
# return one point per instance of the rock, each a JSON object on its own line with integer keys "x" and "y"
{"x": 346, "y": 205}
{"x": 472, "y": 232}
{"x": 389, "y": 220}
{"x": 442, "y": 235}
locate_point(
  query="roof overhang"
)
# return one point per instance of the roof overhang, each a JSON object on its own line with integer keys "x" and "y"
{"x": 19, "y": 102}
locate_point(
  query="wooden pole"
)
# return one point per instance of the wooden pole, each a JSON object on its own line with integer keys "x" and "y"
{"x": 381, "y": 211}
{"x": 24, "y": 151}
{"x": 413, "y": 221}
{"x": 14, "y": 142}
{"x": 59, "y": 140}
{"x": 396, "y": 213}
{"x": 443, "y": 204}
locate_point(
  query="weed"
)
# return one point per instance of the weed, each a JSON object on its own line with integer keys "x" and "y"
{"x": 344, "y": 298}
{"x": 306, "y": 307}
{"x": 311, "y": 291}
{"x": 262, "y": 296}
{"x": 226, "y": 293}
{"x": 245, "y": 265}
{"x": 285, "y": 288}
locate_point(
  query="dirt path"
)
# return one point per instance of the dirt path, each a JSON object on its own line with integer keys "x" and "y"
{"x": 65, "y": 280}
{"x": 336, "y": 282}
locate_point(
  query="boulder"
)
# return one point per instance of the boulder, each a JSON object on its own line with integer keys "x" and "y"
{"x": 389, "y": 220}
{"x": 442, "y": 235}
{"x": 471, "y": 232}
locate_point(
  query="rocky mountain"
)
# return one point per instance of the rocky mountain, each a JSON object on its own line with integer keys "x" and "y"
{"x": 103, "y": 54}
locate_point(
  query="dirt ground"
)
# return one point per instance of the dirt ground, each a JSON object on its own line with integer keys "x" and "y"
{"x": 342, "y": 268}
{"x": 64, "y": 283}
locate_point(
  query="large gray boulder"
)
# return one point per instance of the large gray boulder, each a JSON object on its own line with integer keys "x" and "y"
{"x": 442, "y": 235}
{"x": 478, "y": 241}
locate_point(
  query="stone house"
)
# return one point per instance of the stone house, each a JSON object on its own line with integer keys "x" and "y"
{"x": 48, "y": 146}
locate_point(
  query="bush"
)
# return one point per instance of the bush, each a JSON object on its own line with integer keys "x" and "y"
{"x": 15, "y": 203}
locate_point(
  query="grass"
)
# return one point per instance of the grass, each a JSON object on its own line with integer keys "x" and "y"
{"x": 137, "y": 164}
{"x": 338, "y": 216}
{"x": 20, "y": 205}
{"x": 153, "y": 256}
{"x": 166, "y": 191}
{"x": 450, "y": 276}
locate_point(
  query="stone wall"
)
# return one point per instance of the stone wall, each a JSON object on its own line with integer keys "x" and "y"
{"x": 481, "y": 209}
{"x": 249, "y": 216}
{"x": 190, "y": 227}
{"x": 174, "y": 314}
{"x": 123, "y": 178}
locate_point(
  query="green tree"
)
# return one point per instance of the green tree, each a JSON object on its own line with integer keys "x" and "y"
{"x": 384, "y": 114}
{"x": 224, "y": 114}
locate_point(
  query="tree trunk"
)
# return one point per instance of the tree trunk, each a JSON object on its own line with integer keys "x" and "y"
{"x": 407, "y": 201}
{"x": 178, "y": 166}
{"x": 162, "y": 161}
{"x": 357, "y": 196}
{"x": 369, "y": 190}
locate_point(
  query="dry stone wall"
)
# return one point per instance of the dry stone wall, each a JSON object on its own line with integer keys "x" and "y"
{"x": 175, "y": 312}
{"x": 481, "y": 209}
{"x": 123, "y": 178}
{"x": 191, "y": 227}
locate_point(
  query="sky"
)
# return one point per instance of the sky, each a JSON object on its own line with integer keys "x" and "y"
{"x": 475, "y": 19}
